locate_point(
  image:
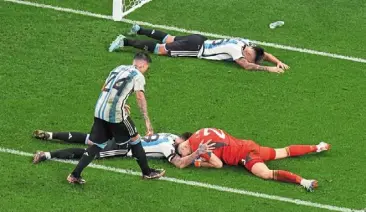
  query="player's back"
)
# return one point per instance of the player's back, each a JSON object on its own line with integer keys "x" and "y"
{"x": 229, "y": 49}
{"x": 115, "y": 92}
{"x": 227, "y": 148}
{"x": 160, "y": 145}
{"x": 221, "y": 139}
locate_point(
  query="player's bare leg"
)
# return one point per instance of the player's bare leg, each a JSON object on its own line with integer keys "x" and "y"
{"x": 261, "y": 170}
{"x": 298, "y": 150}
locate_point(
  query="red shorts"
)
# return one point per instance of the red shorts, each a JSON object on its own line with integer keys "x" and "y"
{"x": 258, "y": 154}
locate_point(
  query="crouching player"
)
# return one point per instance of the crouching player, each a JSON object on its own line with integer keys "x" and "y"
{"x": 247, "y": 153}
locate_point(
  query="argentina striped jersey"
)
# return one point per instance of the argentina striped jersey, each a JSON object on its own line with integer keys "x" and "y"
{"x": 121, "y": 82}
{"x": 160, "y": 145}
{"x": 229, "y": 49}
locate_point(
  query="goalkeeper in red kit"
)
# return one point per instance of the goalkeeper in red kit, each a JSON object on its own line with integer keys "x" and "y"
{"x": 232, "y": 151}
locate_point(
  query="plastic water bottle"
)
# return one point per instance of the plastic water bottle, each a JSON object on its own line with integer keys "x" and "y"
{"x": 276, "y": 24}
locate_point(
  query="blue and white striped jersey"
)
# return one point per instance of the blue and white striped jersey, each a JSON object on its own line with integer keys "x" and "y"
{"x": 229, "y": 49}
{"x": 160, "y": 145}
{"x": 118, "y": 86}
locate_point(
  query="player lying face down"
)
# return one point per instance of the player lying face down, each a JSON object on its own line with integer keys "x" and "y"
{"x": 226, "y": 149}
{"x": 160, "y": 145}
{"x": 238, "y": 50}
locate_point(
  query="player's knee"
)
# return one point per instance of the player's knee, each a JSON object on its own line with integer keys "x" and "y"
{"x": 135, "y": 140}
{"x": 219, "y": 165}
{"x": 160, "y": 49}
{"x": 259, "y": 169}
{"x": 168, "y": 39}
{"x": 265, "y": 174}
{"x": 89, "y": 142}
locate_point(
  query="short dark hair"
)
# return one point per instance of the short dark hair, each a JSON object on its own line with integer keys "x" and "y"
{"x": 259, "y": 54}
{"x": 142, "y": 56}
{"x": 186, "y": 135}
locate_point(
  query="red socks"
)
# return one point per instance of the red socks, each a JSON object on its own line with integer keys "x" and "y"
{"x": 286, "y": 176}
{"x": 297, "y": 150}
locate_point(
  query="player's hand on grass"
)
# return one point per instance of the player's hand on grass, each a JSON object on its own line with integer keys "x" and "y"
{"x": 150, "y": 132}
{"x": 282, "y": 66}
{"x": 276, "y": 70}
{"x": 205, "y": 147}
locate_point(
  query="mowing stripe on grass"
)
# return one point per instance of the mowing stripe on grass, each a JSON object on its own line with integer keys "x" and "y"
{"x": 263, "y": 43}
{"x": 203, "y": 185}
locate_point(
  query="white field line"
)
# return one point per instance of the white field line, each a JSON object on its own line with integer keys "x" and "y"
{"x": 202, "y": 185}
{"x": 172, "y": 28}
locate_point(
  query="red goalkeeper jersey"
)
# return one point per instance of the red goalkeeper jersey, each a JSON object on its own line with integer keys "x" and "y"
{"x": 228, "y": 148}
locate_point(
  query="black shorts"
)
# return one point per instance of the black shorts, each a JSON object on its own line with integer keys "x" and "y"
{"x": 186, "y": 46}
{"x": 102, "y": 131}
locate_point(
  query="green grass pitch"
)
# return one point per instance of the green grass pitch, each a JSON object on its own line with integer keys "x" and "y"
{"x": 54, "y": 63}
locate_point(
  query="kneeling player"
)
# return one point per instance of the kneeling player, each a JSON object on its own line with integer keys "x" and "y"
{"x": 247, "y": 153}
{"x": 242, "y": 51}
{"x": 160, "y": 145}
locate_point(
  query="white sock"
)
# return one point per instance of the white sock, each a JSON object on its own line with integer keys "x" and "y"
{"x": 303, "y": 182}
{"x": 48, "y": 155}
{"x": 320, "y": 147}
{"x": 51, "y": 134}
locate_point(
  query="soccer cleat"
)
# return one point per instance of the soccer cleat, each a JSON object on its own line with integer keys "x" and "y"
{"x": 134, "y": 29}
{"x": 155, "y": 173}
{"x": 40, "y": 134}
{"x": 310, "y": 185}
{"x": 322, "y": 146}
{"x": 39, "y": 157}
{"x": 75, "y": 180}
{"x": 117, "y": 43}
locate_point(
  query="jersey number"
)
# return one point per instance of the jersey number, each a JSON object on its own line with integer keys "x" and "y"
{"x": 117, "y": 85}
{"x": 219, "y": 133}
{"x": 219, "y": 42}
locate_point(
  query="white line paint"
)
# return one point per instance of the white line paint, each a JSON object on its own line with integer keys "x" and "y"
{"x": 172, "y": 28}
{"x": 203, "y": 185}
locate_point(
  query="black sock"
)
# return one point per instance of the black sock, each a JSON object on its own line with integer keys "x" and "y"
{"x": 87, "y": 158}
{"x": 70, "y": 137}
{"x": 71, "y": 153}
{"x": 147, "y": 45}
{"x": 152, "y": 33}
{"x": 139, "y": 153}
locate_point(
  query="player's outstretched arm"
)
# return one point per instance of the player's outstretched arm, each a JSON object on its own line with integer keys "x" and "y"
{"x": 270, "y": 58}
{"x": 255, "y": 67}
{"x": 141, "y": 102}
{"x": 182, "y": 162}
